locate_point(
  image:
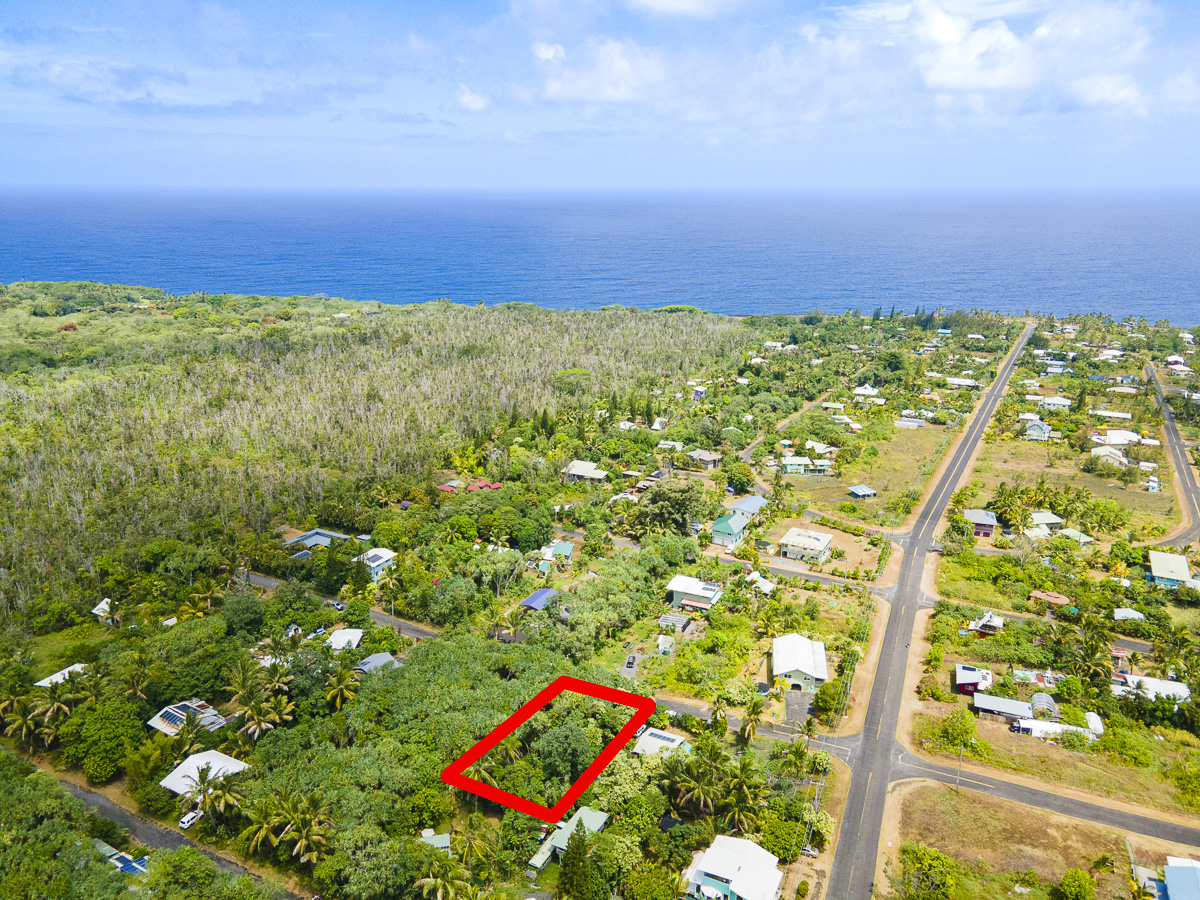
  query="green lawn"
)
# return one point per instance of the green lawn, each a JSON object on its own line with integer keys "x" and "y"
{"x": 48, "y": 649}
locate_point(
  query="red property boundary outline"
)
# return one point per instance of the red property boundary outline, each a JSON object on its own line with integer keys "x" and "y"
{"x": 454, "y": 776}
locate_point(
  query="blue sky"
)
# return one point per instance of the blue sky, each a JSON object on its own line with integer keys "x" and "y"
{"x": 761, "y": 94}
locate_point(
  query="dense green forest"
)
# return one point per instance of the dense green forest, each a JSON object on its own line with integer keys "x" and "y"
{"x": 156, "y": 449}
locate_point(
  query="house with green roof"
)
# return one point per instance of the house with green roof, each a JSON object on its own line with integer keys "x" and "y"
{"x": 729, "y": 530}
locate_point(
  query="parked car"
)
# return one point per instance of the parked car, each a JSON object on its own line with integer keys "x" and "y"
{"x": 630, "y": 661}
{"x": 627, "y": 645}
{"x": 337, "y": 604}
{"x": 810, "y": 851}
{"x": 191, "y": 819}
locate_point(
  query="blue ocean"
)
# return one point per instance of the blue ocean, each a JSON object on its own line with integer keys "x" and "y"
{"x": 725, "y": 253}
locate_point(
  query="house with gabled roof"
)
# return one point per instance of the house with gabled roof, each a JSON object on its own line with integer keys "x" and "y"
{"x": 799, "y": 661}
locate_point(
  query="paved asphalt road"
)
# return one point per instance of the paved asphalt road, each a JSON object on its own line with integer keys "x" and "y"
{"x": 149, "y": 833}
{"x": 1183, "y": 471}
{"x": 408, "y": 629}
{"x": 853, "y": 869}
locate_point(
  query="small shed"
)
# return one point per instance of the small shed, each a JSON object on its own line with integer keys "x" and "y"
{"x": 862, "y": 492}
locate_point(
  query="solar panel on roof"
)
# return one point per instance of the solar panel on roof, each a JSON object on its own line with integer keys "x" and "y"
{"x": 665, "y": 738}
{"x": 172, "y": 716}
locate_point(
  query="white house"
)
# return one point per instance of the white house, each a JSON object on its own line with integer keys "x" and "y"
{"x": 377, "y": 561}
{"x": 800, "y": 543}
{"x": 1125, "y": 614}
{"x": 1151, "y": 687}
{"x": 1111, "y": 454}
{"x": 582, "y": 470}
{"x": 60, "y": 676}
{"x": 1168, "y": 569}
{"x": 865, "y": 390}
{"x": 343, "y": 638}
{"x": 799, "y": 661}
{"x": 171, "y": 719}
{"x": 652, "y": 742}
{"x": 182, "y": 779}
{"x": 1055, "y": 403}
{"x": 102, "y": 611}
{"x": 734, "y": 869}
{"x": 686, "y": 591}
{"x": 706, "y": 458}
{"x": 1111, "y": 414}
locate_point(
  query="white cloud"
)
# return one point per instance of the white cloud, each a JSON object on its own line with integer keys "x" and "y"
{"x": 1108, "y": 90}
{"x": 612, "y": 72}
{"x": 1182, "y": 91}
{"x": 697, "y": 8}
{"x": 547, "y": 52}
{"x": 472, "y": 102}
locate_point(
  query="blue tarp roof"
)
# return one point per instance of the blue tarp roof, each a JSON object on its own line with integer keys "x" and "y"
{"x": 539, "y": 598}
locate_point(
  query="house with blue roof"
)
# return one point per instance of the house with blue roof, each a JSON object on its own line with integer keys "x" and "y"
{"x": 750, "y": 506}
{"x": 317, "y": 537}
{"x": 539, "y": 598}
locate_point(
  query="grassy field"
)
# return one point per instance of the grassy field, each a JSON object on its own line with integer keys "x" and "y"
{"x": 905, "y": 462}
{"x": 1023, "y": 462}
{"x": 1085, "y": 771}
{"x": 952, "y": 584}
{"x": 994, "y": 839}
{"x": 48, "y": 650}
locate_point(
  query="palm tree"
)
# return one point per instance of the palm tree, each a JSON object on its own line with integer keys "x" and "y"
{"x": 212, "y": 595}
{"x": 341, "y": 686}
{"x": 239, "y": 745}
{"x": 750, "y": 722}
{"x": 444, "y": 878}
{"x": 23, "y": 721}
{"x": 476, "y": 844}
{"x": 510, "y": 749}
{"x": 719, "y": 708}
{"x": 187, "y": 739}
{"x": 48, "y": 730}
{"x": 672, "y": 775}
{"x": 225, "y": 795}
{"x": 52, "y": 701}
{"x": 780, "y": 686}
{"x": 793, "y": 762}
{"x": 203, "y": 783}
{"x": 308, "y": 829}
{"x": 263, "y": 822}
{"x": 280, "y": 709}
{"x": 275, "y": 678}
{"x": 85, "y": 690}
{"x": 810, "y": 729}
{"x": 135, "y": 682}
{"x": 192, "y": 608}
{"x": 1102, "y": 862}
{"x": 257, "y": 720}
{"x": 245, "y": 681}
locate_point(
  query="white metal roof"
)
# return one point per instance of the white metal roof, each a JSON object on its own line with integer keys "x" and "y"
{"x": 60, "y": 676}
{"x": 376, "y": 557}
{"x": 1169, "y": 565}
{"x": 796, "y": 653}
{"x": 1153, "y": 687}
{"x": 1124, "y": 614}
{"x": 686, "y": 584}
{"x": 1045, "y": 517}
{"x": 750, "y": 871}
{"x": 343, "y": 638}
{"x": 652, "y": 742}
{"x": 583, "y": 469}
{"x": 182, "y": 778}
{"x": 1017, "y": 709}
{"x": 812, "y": 541}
